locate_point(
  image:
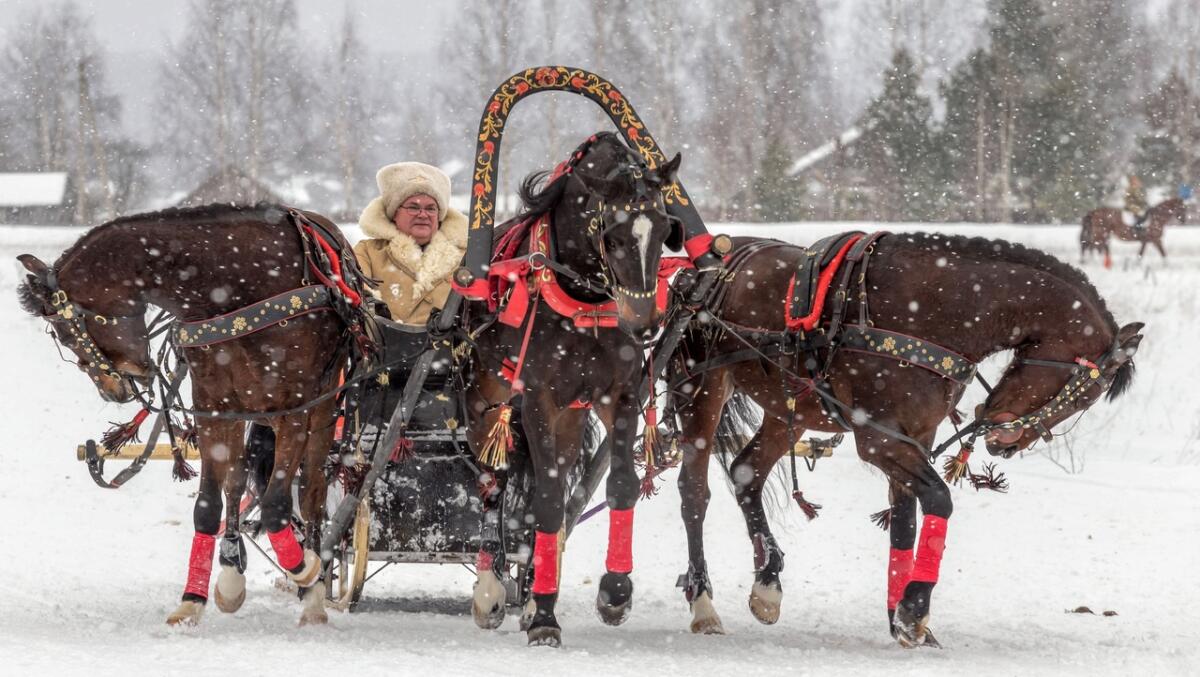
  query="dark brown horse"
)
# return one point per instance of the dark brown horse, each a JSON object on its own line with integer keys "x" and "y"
{"x": 947, "y": 303}
{"x": 606, "y": 228}
{"x": 1100, "y": 225}
{"x": 198, "y": 264}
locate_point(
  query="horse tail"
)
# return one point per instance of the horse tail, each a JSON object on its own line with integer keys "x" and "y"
{"x": 739, "y": 427}
{"x": 260, "y": 455}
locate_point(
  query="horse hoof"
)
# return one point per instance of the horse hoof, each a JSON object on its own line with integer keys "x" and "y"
{"x": 187, "y": 613}
{"x": 527, "y": 615}
{"x": 230, "y": 591}
{"x": 705, "y": 620}
{"x": 765, "y": 600}
{"x": 614, "y": 601}
{"x": 314, "y": 605}
{"x": 487, "y": 603}
{"x": 545, "y": 635}
{"x": 911, "y": 632}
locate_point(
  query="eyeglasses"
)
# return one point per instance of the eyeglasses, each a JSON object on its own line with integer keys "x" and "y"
{"x": 416, "y": 210}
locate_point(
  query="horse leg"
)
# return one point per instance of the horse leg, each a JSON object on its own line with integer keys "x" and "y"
{"x": 907, "y": 466}
{"x": 230, "y": 591}
{"x": 903, "y": 535}
{"x": 750, "y": 471}
{"x": 698, "y": 425}
{"x": 614, "y": 600}
{"x": 488, "y": 595}
{"x": 302, "y": 565}
{"x": 1159, "y": 246}
{"x": 313, "y": 489}
{"x": 550, "y": 467}
{"x": 216, "y": 441}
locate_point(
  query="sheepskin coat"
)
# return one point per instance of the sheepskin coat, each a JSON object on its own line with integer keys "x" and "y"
{"x": 412, "y": 280}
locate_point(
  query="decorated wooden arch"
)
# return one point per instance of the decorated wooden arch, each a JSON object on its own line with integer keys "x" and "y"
{"x": 487, "y": 151}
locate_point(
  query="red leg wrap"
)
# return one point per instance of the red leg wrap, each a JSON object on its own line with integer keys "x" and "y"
{"x": 484, "y": 560}
{"x": 287, "y": 549}
{"x": 620, "y": 541}
{"x": 900, "y": 567}
{"x": 200, "y": 564}
{"x": 931, "y": 544}
{"x": 545, "y": 563}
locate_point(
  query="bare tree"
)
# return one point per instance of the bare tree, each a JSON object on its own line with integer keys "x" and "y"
{"x": 231, "y": 89}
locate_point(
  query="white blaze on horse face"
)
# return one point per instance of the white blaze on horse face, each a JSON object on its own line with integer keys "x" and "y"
{"x": 641, "y": 231}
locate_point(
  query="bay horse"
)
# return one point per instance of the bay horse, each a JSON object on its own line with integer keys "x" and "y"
{"x": 1099, "y": 225}
{"x": 200, "y": 264}
{"x": 570, "y": 337}
{"x": 929, "y": 308}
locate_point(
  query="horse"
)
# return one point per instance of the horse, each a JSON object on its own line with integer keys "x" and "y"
{"x": 203, "y": 265}
{"x": 569, "y": 338}
{"x": 938, "y": 305}
{"x": 1101, "y": 224}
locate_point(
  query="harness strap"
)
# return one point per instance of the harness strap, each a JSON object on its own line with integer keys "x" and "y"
{"x": 255, "y": 317}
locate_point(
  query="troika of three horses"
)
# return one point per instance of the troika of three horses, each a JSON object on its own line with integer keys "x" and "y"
{"x": 571, "y": 351}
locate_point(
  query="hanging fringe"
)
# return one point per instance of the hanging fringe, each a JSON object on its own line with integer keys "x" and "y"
{"x": 403, "y": 451}
{"x": 883, "y": 519}
{"x": 123, "y": 433}
{"x": 648, "y": 487}
{"x": 189, "y": 435}
{"x": 181, "y": 471}
{"x": 956, "y": 466}
{"x": 499, "y": 439}
{"x": 811, "y": 510}
{"x": 990, "y": 479}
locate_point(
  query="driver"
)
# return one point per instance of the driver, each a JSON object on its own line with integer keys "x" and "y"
{"x": 413, "y": 241}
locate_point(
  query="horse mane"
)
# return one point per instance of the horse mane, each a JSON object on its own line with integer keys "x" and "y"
{"x": 986, "y": 249}
{"x": 538, "y": 199}
{"x": 32, "y": 295}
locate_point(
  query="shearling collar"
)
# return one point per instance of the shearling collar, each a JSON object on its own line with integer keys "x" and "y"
{"x": 429, "y": 266}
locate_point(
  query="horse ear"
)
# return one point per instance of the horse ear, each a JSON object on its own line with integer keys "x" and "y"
{"x": 669, "y": 170}
{"x": 34, "y": 265}
{"x": 1128, "y": 340}
{"x": 1129, "y": 331}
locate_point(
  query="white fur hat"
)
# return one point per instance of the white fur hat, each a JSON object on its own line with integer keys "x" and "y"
{"x": 403, "y": 180}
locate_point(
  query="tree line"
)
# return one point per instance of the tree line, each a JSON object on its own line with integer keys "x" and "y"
{"x": 988, "y": 109}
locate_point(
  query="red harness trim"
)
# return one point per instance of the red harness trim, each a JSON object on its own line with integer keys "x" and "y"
{"x": 336, "y": 263}
{"x": 698, "y": 246}
{"x": 810, "y": 321}
{"x": 200, "y": 564}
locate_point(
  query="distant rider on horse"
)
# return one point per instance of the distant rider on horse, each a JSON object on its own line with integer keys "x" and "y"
{"x": 1135, "y": 201}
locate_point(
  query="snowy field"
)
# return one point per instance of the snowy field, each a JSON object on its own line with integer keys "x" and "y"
{"x": 93, "y": 574}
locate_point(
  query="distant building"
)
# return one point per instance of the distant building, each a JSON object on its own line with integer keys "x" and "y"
{"x": 836, "y": 185}
{"x": 229, "y": 185}
{"x": 35, "y": 198}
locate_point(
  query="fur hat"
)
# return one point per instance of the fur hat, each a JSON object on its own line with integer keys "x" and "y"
{"x": 403, "y": 180}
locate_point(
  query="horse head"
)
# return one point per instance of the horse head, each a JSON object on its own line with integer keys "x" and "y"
{"x": 110, "y": 347}
{"x": 1177, "y": 208}
{"x": 628, "y": 226}
{"x": 1034, "y": 395}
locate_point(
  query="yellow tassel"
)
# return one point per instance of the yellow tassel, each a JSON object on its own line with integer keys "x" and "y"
{"x": 650, "y": 437}
{"x": 499, "y": 439}
{"x": 956, "y": 466}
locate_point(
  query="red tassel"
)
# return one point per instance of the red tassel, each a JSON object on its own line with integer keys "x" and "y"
{"x": 811, "y": 510}
{"x": 956, "y": 466}
{"x": 403, "y": 451}
{"x": 123, "y": 433}
{"x": 649, "y": 488}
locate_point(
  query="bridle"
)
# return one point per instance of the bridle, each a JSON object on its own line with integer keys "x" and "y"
{"x": 1085, "y": 375}
{"x": 73, "y": 316}
{"x": 602, "y": 215}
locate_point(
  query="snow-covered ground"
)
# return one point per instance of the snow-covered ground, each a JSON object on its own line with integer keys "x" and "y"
{"x": 92, "y": 574}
